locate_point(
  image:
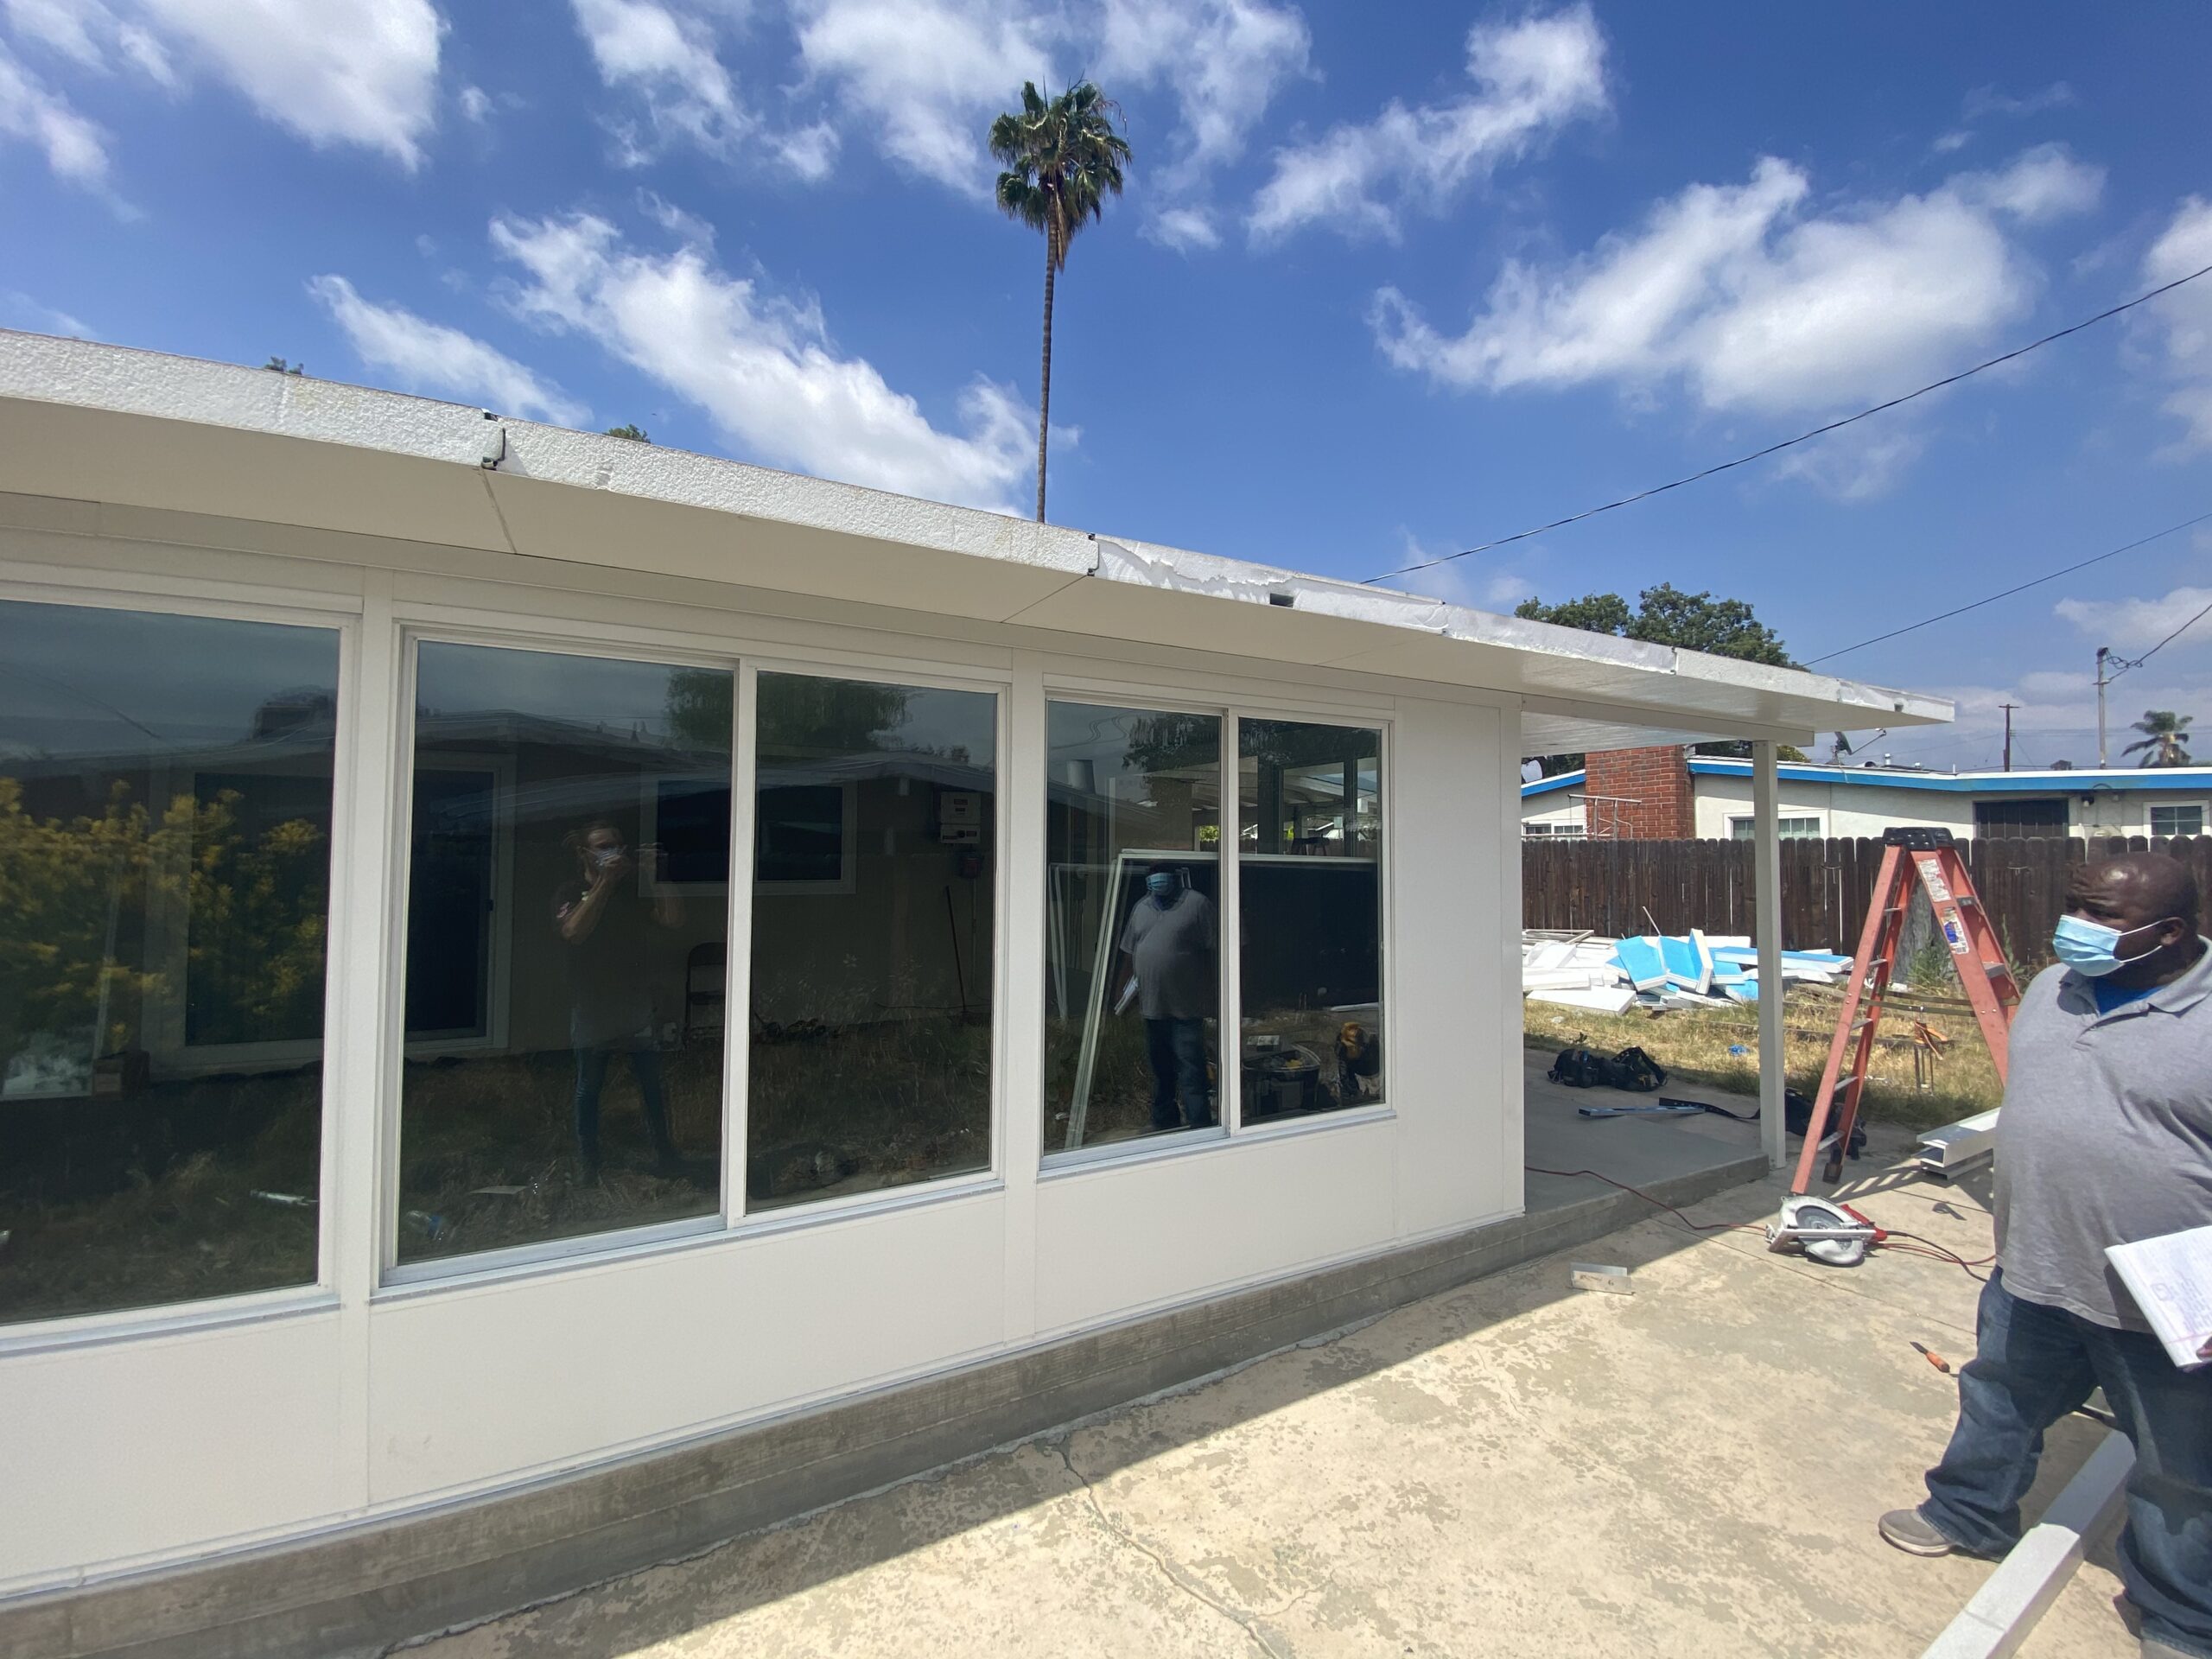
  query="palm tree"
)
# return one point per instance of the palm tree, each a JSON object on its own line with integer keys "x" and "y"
{"x": 2165, "y": 738}
{"x": 1062, "y": 159}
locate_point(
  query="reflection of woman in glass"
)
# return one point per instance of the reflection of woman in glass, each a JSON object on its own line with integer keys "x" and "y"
{"x": 607, "y": 929}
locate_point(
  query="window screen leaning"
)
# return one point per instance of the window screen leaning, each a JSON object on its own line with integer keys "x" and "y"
{"x": 165, "y": 822}
{"x": 1132, "y": 940}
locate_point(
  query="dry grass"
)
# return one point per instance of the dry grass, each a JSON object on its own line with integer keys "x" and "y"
{"x": 1695, "y": 1045}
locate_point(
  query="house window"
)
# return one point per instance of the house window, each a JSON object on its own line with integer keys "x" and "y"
{"x": 2037, "y": 815}
{"x": 870, "y": 1062}
{"x": 591, "y": 1101}
{"x": 1537, "y": 829}
{"x": 165, "y": 818}
{"x": 1310, "y": 922}
{"x": 1788, "y": 826}
{"x": 1133, "y": 978}
{"x": 2177, "y": 820}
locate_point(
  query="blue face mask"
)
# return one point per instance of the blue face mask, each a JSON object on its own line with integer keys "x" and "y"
{"x": 2091, "y": 948}
{"x": 1161, "y": 887}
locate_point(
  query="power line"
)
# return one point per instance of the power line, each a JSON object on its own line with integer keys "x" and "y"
{"x": 2137, "y": 661}
{"x": 1802, "y": 437}
{"x": 2035, "y": 582}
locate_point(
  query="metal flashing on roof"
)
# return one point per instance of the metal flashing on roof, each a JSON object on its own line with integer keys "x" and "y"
{"x": 2062, "y": 781}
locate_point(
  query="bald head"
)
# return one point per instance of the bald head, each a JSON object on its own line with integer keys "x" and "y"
{"x": 2135, "y": 889}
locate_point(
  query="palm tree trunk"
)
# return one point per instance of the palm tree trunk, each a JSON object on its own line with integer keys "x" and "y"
{"x": 1045, "y": 392}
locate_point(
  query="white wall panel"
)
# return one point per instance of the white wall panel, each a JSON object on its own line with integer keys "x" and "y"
{"x": 141, "y": 1447}
{"x": 1115, "y": 1238}
{"x": 468, "y": 1385}
{"x": 1454, "y": 927}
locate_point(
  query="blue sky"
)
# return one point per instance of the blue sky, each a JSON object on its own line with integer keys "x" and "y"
{"x": 1389, "y": 280}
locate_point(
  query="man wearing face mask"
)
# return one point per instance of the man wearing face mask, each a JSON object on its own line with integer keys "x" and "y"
{"x": 2105, "y": 1137}
{"x": 1170, "y": 944}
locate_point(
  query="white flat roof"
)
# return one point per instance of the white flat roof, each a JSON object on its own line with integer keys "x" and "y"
{"x": 108, "y": 424}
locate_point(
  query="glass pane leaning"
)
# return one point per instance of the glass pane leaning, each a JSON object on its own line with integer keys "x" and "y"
{"x": 1132, "y": 934}
{"x": 1310, "y": 862}
{"x": 875, "y": 867}
{"x": 567, "y": 934}
{"x": 165, "y": 819}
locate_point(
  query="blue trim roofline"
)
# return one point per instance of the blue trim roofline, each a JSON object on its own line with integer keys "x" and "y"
{"x": 2191, "y": 779}
{"x": 1545, "y": 785}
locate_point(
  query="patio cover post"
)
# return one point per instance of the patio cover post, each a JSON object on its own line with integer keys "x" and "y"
{"x": 1766, "y": 891}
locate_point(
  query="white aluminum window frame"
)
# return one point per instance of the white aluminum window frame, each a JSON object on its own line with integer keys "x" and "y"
{"x": 1746, "y": 822}
{"x": 1233, "y": 702}
{"x": 339, "y": 613}
{"x": 2151, "y": 817}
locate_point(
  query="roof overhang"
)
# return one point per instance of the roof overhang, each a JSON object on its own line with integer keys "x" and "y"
{"x": 118, "y": 428}
{"x": 2196, "y": 780}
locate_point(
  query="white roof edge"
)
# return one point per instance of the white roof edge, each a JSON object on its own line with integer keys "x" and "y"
{"x": 131, "y": 380}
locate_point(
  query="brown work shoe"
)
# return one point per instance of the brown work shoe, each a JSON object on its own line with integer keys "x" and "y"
{"x": 1908, "y": 1532}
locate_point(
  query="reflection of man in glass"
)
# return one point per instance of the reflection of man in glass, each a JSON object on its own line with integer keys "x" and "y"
{"x": 607, "y": 928}
{"x": 1170, "y": 944}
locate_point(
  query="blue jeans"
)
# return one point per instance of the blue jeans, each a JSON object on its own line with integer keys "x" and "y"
{"x": 1177, "y": 1049}
{"x": 2035, "y": 1363}
{"x": 592, "y": 1062}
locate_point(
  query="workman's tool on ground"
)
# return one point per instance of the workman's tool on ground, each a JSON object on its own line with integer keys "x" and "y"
{"x": 1930, "y": 857}
{"x": 1827, "y": 1230}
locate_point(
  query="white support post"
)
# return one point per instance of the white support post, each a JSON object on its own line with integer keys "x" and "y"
{"x": 1766, "y": 887}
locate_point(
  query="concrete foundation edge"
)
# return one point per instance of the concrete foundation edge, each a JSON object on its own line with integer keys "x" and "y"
{"x": 363, "y": 1587}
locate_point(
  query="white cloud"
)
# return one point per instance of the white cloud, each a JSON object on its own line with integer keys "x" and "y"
{"x": 927, "y": 75}
{"x": 2185, "y": 316}
{"x": 22, "y": 311}
{"x": 2128, "y": 625}
{"x": 1731, "y": 290}
{"x": 1224, "y": 61}
{"x": 1184, "y": 228}
{"x": 429, "y": 357}
{"x": 667, "y": 55}
{"x": 335, "y": 72}
{"x": 75, "y": 148}
{"x": 476, "y": 104}
{"x": 1946, "y": 143}
{"x": 1531, "y": 77}
{"x": 762, "y": 366}
{"x": 1988, "y": 100}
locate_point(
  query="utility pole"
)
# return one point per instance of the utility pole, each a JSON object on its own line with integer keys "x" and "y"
{"x": 2103, "y": 651}
{"x": 2008, "y": 708}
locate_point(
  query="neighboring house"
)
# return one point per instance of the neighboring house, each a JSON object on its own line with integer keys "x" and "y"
{"x": 531, "y": 957}
{"x": 1635, "y": 795}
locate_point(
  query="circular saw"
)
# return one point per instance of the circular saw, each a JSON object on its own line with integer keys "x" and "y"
{"x": 1826, "y": 1229}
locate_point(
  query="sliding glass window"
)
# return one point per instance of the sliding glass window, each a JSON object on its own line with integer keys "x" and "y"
{"x": 875, "y": 865}
{"x": 567, "y": 927}
{"x": 1310, "y": 829}
{"x": 165, "y": 821}
{"x": 1132, "y": 942}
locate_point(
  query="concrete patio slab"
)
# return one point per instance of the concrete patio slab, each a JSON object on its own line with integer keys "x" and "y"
{"x": 1512, "y": 1467}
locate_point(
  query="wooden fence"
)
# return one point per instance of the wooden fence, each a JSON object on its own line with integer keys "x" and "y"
{"x": 1618, "y": 887}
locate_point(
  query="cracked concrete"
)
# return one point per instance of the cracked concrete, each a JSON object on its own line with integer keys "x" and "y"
{"x": 1511, "y": 1468}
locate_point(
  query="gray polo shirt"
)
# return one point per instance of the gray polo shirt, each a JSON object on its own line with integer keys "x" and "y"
{"x": 1174, "y": 950}
{"x": 2106, "y": 1135}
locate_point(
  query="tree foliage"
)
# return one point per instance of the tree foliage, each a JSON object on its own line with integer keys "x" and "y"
{"x": 1665, "y": 615}
{"x": 635, "y": 434}
{"x": 2165, "y": 738}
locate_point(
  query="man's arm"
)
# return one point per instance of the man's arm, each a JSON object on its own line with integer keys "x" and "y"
{"x": 575, "y": 921}
{"x": 668, "y": 909}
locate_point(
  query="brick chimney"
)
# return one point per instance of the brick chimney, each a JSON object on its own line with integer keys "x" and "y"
{"x": 1639, "y": 795}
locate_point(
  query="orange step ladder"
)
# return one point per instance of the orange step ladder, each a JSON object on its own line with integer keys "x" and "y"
{"x": 1930, "y": 858}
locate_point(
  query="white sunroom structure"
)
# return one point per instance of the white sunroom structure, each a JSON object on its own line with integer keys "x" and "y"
{"x": 406, "y": 1120}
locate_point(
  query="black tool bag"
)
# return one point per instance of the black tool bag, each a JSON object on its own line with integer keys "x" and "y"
{"x": 1578, "y": 1067}
{"x": 1797, "y": 1114}
{"x": 1634, "y": 1070}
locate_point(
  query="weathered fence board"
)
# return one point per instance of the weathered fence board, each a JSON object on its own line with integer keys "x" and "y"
{"x": 1619, "y": 888}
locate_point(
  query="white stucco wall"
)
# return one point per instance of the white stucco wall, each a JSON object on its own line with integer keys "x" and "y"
{"x": 164, "y": 1435}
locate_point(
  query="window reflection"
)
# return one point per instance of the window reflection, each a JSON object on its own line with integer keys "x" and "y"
{"x": 872, "y": 938}
{"x": 1133, "y": 828}
{"x": 165, "y": 817}
{"x": 566, "y": 931}
{"x": 1311, "y": 960}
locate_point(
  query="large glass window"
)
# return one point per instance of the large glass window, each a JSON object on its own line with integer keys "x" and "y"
{"x": 566, "y": 926}
{"x": 1310, "y": 962}
{"x": 165, "y": 817}
{"x": 1132, "y": 941}
{"x": 872, "y": 937}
